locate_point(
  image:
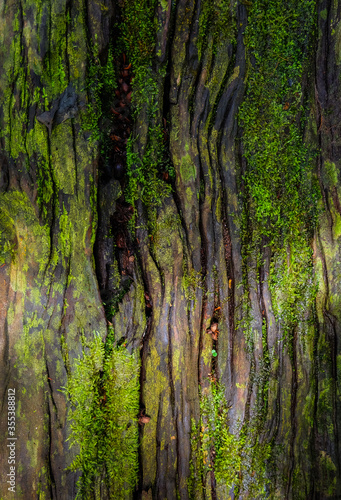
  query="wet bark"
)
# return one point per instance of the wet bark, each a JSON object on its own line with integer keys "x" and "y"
{"x": 72, "y": 264}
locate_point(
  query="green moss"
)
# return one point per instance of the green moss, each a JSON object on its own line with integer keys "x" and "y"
{"x": 30, "y": 349}
{"x": 65, "y": 178}
{"x": 25, "y": 232}
{"x": 279, "y": 163}
{"x": 93, "y": 204}
{"x": 325, "y": 406}
{"x": 236, "y": 459}
{"x": 280, "y": 192}
{"x": 144, "y": 164}
{"x": 191, "y": 281}
{"x": 291, "y": 285}
{"x": 44, "y": 483}
{"x": 167, "y": 223}
{"x": 16, "y": 81}
{"x": 18, "y": 213}
{"x": 165, "y": 226}
{"x": 7, "y": 239}
{"x": 104, "y": 393}
{"x": 101, "y": 83}
{"x": 144, "y": 180}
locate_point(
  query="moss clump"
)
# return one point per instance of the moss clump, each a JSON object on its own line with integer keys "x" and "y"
{"x": 220, "y": 448}
{"x": 7, "y": 240}
{"x": 278, "y": 180}
{"x": 104, "y": 393}
{"x": 238, "y": 461}
{"x": 191, "y": 281}
{"x": 144, "y": 180}
{"x": 145, "y": 163}
{"x": 101, "y": 85}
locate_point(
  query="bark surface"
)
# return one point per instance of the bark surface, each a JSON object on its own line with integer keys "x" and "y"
{"x": 155, "y": 245}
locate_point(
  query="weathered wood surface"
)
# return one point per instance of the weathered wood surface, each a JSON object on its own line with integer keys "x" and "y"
{"x": 189, "y": 272}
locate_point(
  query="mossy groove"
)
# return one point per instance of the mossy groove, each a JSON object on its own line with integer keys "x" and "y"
{"x": 104, "y": 392}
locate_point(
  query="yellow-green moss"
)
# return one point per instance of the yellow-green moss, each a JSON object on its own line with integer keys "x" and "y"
{"x": 104, "y": 394}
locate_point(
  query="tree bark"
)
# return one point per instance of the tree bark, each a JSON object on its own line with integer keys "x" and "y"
{"x": 217, "y": 211}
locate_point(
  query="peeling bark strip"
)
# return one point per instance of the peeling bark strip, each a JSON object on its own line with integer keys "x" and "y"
{"x": 169, "y": 248}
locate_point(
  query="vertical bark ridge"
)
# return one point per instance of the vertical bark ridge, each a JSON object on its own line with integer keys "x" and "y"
{"x": 293, "y": 413}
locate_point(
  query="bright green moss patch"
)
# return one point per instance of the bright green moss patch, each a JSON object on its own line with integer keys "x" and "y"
{"x": 65, "y": 233}
{"x": 104, "y": 393}
{"x": 50, "y": 62}
{"x": 138, "y": 31}
{"x": 101, "y": 84}
{"x": 292, "y": 285}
